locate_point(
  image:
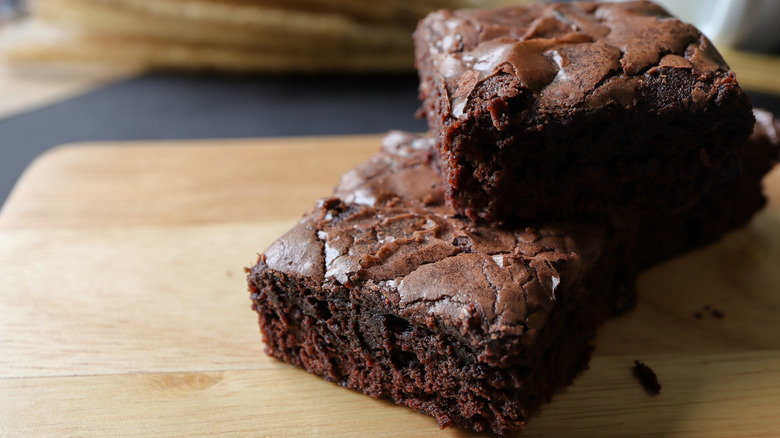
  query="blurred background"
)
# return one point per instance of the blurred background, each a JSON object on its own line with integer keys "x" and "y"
{"x": 83, "y": 70}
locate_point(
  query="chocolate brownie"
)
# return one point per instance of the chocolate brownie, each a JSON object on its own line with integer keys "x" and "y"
{"x": 385, "y": 290}
{"x": 553, "y": 110}
{"x": 726, "y": 207}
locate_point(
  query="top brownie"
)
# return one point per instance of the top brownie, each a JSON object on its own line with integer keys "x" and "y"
{"x": 552, "y": 110}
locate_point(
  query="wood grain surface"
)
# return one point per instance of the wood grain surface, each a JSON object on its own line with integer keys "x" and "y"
{"x": 124, "y": 312}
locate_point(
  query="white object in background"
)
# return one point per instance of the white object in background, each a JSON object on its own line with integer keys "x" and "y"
{"x": 748, "y": 24}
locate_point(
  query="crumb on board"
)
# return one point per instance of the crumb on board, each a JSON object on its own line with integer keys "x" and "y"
{"x": 647, "y": 378}
{"x": 708, "y": 310}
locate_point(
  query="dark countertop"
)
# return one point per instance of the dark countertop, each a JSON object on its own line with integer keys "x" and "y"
{"x": 172, "y": 106}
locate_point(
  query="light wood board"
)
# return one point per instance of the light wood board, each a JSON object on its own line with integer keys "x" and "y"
{"x": 124, "y": 312}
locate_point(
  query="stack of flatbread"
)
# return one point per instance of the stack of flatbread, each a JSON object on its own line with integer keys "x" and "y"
{"x": 238, "y": 35}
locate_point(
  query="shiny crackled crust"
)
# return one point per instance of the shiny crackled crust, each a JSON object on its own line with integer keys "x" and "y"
{"x": 550, "y": 100}
{"x": 388, "y": 234}
{"x": 584, "y": 54}
{"x": 494, "y": 289}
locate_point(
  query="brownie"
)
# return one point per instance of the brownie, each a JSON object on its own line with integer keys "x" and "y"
{"x": 726, "y": 207}
{"x": 384, "y": 289}
{"x": 555, "y": 110}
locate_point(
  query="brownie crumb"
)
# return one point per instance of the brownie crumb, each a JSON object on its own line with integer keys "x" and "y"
{"x": 709, "y": 310}
{"x": 647, "y": 378}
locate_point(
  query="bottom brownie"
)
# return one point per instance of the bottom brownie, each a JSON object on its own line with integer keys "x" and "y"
{"x": 383, "y": 289}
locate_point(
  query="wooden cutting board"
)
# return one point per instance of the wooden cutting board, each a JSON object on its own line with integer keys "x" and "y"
{"x": 124, "y": 312}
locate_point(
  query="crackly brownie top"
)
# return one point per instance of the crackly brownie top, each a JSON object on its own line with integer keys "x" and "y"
{"x": 585, "y": 54}
{"x": 387, "y": 233}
